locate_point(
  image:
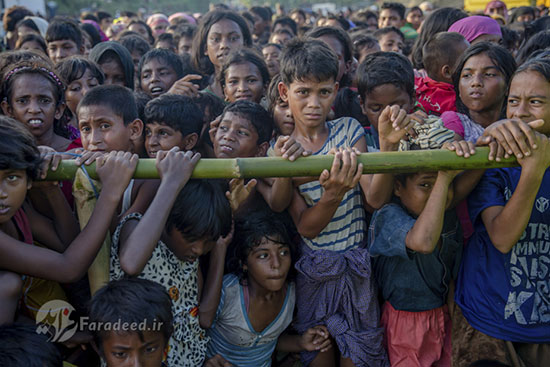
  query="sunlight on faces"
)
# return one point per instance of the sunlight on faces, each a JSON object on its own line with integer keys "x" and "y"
{"x": 243, "y": 82}
{"x": 223, "y": 37}
{"x": 268, "y": 265}
{"x": 127, "y": 349}
{"x": 78, "y": 89}
{"x": 157, "y": 77}
{"x": 236, "y": 137}
{"x": 382, "y": 96}
{"x": 416, "y": 191}
{"x": 13, "y": 191}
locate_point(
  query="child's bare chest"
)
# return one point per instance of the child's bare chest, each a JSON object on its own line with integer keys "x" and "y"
{"x": 262, "y": 314}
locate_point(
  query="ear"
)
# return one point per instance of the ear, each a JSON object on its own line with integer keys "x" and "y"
{"x": 6, "y": 108}
{"x": 398, "y": 188}
{"x": 262, "y": 149}
{"x": 446, "y": 72}
{"x": 189, "y": 141}
{"x": 59, "y": 110}
{"x": 283, "y": 91}
{"x": 136, "y": 129}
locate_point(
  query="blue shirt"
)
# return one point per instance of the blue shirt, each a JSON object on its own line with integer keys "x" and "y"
{"x": 507, "y": 296}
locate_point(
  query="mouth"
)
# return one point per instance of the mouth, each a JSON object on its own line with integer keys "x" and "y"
{"x": 157, "y": 91}
{"x": 97, "y": 150}
{"x": 4, "y": 209}
{"x": 313, "y": 116}
{"x": 152, "y": 153}
{"x": 244, "y": 97}
{"x": 475, "y": 94}
{"x": 222, "y": 55}
{"x": 226, "y": 149}
{"x": 35, "y": 122}
{"x": 189, "y": 259}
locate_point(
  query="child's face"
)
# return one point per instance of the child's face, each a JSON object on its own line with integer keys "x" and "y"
{"x": 184, "y": 45}
{"x": 271, "y": 56}
{"x": 280, "y": 38}
{"x": 187, "y": 250}
{"x": 366, "y": 50}
{"x": 391, "y": 42}
{"x": 157, "y": 77}
{"x": 416, "y": 191}
{"x": 482, "y": 86}
{"x": 61, "y": 49}
{"x": 223, "y": 37}
{"x": 382, "y": 96}
{"x": 236, "y": 137}
{"x": 415, "y": 18}
{"x": 283, "y": 118}
{"x": 243, "y": 82}
{"x": 33, "y": 103}
{"x": 102, "y": 130}
{"x": 338, "y": 49}
{"x": 140, "y": 29}
{"x": 529, "y": 99}
{"x": 309, "y": 100}
{"x": 32, "y": 46}
{"x": 13, "y": 190}
{"x": 268, "y": 264}
{"x": 78, "y": 89}
{"x": 163, "y": 137}
{"x": 390, "y": 18}
{"x": 126, "y": 349}
{"x": 114, "y": 73}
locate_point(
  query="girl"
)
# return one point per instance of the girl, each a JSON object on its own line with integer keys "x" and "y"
{"x": 31, "y": 41}
{"x": 218, "y": 33}
{"x": 480, "y": 82}
{"x": 115, "y": 62}
{"x": 248, "y": 311}
{"x": 20, "y": 224}
{"x": 244, "y": 76}
{"x": 279, "y": 110}
{"x": 478, "y": 29}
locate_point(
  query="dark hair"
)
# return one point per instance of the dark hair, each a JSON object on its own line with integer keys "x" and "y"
{"x": 303, "y": 59}
{"x": 169, "y": 109}
{"x": 344, "y": 24}
{"x": 282, "y": 31}
{"x": 9, "y": 58}
{"x": 539, "y": 65}
{"x": 272, "y": 45}
{"x": 92, "y": 32}
{"x": 135, "y": 43}
{"x": 415, "y": 8}
{"x": 534, "y": 27}
{"x": 244, "y": 56}
{"x": 132, "y": 301}
{"x": 272, "y": 96}
{"x": 13, "y": 15}
{"x": 510, "y": 38}
{"x": 361, "y": 40}
{"x": 142, "y": 99}
{"x": 383, "y": 31}
{"x": 74, "y": 67}
{"x": 210, "y": 105}
{"x": 337, "y": 33}
{"x": 299, "y": 11}
{"x": 503, "y": 60}
{"x": 101, "y": 14}
{"x": 381, "y": 68}
{"x": 112, "y": 51}
{"x": 396, "y": 7}
{"x": 539, "y": 41}
{"x": 201, "y": 210}
{"x": 441, "y": 50}
{"x": 141, "y": 22}
{"x": 167, "y": 57}
{"x": 29, "y": 23}
{"x": 32, "y": 37}
{"x": 64, "y": 29}
{"x": 251, "y": 229}
{"x": 166, "y": 37}
{"x": 346, "y": 104}
{"x": 185, "y": 30}
{"x": 22, "y": 345}
{"x": 261, "y": 11}
{"x": 120, "y": 100}
{"x": 438, "y": 21}
{"x": 201, "y": 61}
{"x": 363, "y": 16}
{"x": 18, "y": 149}
{"x": 89, "y": 16}
{"x": 521, "y": 10}
{"x": 288, "y": 21}
{"x": 256, "y": 114}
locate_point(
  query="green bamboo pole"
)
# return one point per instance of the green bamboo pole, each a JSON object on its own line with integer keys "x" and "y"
{"x": 386, "y": 162}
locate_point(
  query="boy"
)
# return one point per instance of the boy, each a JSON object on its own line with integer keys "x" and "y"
{"x": 64, "y": 39}
{"x": 393, "y": 15}
{"x": 329, "y": 214}
{"x": 165, "y": 128}
{"x": 440, "y": 56}
{"x": 138, "y": 302}
{"x": 390, "y": 39}
{"x": 21, "y": 345}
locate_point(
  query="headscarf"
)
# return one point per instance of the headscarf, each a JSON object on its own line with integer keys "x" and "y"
{"x": 123, "y": 55}
{"x": 475, "y": 26}
{"x": 40, "y": 23}
{"x": 185, "y": 16}
{"x": 102, "y": 34}
{"x": 496, "y": 4}
{"x": 157, "y": 18}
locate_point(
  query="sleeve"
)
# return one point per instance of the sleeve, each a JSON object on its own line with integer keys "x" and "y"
{"x": 355, "y": 131}
{"x": 388, "y": 231}
{"x": 228, "y": 280}
{"x": 490, "y": 191}
{"x": 452, "y": 122}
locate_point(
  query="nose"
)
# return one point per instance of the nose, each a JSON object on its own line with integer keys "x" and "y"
{"x": 97, "y": 137}
{"x": 477, "y": 80}
{"x": 154, "y": 76}
{"x": 153, "y": 140}
{"x": 34, "y": 107}
{"x": 3, "y": 191}
{"x": 229, "y": 135}
{"x": 313, "y": 101}
{"x": 242, "y": 86}
{"x": 275, "y": 262}
{"x": 224, "y": 43}
{"x": 522, "y": 110}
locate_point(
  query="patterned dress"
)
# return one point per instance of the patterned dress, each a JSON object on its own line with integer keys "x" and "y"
{"x": 187, "y": 346}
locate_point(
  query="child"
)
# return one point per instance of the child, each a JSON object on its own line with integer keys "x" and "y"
{"x": 21, "y": 345}
{"x": 390, "y": 39}
{"x": 165, "y": 128}
{"x": 33, "y": 42}
{"x": 391, "y": 15}
{"x": 244, "y": 76}
{"x": 364, "y": 45}
{"x": 137, "y": 47}
{"x": 329, "y": 214}
{"x": 20, "y": 224}
{"x": 132, "y": 301}
{"x": 440, "y": 57}
{"x": 186, "y": 32}
{"x": 64, "y": 39}
{"x": 415, "y": 17}
{"x": 279, "y": 110}
{"x": 115, "y": 62}
{"x": 271, "y": 53}
{"x": 158, "y": 70}
{"x": 247, "y": 311}
{"x": 218, "y": 33}
{"x": 501, "y": 287}
{"x": 166, "y": 41}
{"x": 281, "y": 37}
{"x": 480, "y": 81}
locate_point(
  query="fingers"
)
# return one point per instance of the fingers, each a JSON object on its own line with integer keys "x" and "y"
{"x": 530, "y": 133}
{"x": 536, "y": 124}
{"x": 251, "y": 185}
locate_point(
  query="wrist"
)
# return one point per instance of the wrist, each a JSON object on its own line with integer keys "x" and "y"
{"x": 386, "y": 146}
{"x": 331, "y": 198}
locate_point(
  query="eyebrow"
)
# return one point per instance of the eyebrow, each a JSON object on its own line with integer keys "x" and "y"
{"x": 219, "y": 33}
{"x": 534, "y": 96}
{"x": 484, "y": 68}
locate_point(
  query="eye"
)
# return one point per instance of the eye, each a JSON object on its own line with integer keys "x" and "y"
{"x": 45, "y": 100}
{"x": 223, "y": 128}
{"x": 104, "y": 126}
{"x": 252, "y": 80}
{"x": 145, "y": 76}
{"x": 235, "y": 38}
{"x": 263, "y": 255}
{"x": 512, "y": 101}
{"x": 376, "y": 108}
{"x": 21, "y": 100}
{"x": 537, "y": 102}
{"x": 119, "y": 355}
{"x": 284, "y": 252}
{"x": 490, "y": 74}
{"x": 84, "y": 129}
{"x": 325, "y": 92}
{"x": 12, "y": 178}
{"x": 243, "y": 133}
{"x": 164, "y": 133}
{"x": 75, "y": 88}
{"x": 466, "y": 75}
{"x": 148, "y": 132}
{"x": 151, "y": 349}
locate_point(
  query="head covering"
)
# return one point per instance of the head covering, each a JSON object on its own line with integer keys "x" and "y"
{"x": 496, "y": 4}
{"x": 473, "y": 27}
{"x": 123, "y": 55}
{"x": 102, "y": 34}
{"x": 40, "y": 23}
{"x": 157, "y": 18}
{"x": 185, "y": 16}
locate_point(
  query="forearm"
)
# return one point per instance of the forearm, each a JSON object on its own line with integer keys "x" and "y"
{"x": 64, "y": 221}
{"x": 290, "y": 343}
{"x": 464, "y": 184}
{"x": 380, "y": 189}
{"x": 281, "y": 194}
{"x": 210, "y": 298}
{"x": 314, "y": 219}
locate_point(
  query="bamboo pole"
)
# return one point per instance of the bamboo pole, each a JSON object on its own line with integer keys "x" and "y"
{"x": 383, "y": 162}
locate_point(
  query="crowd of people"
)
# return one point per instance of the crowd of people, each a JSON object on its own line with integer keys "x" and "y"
{"x": 345, "y": 269}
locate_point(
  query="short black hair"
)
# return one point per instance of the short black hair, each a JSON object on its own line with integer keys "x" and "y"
{"x": 21, "y": 345}
{"x": 272, "y": 96}
{"x": 89, "y": 16}
{"x": 288, "y": 21}
{"x": 92, "y": 32}
{"x": 261, "y": 11}
{"x": 167, "y": 37}
{"x": 101, "y": 14}
{"x": 539, "y": 41}
{"x": 201, "y": 210}
{"x": 415, "y": 8}
{"x": 361, "y": 40}
{"x": 337, "y": 33}
{"x": 65, "y": 29}
{"x": 142, "y": 99}
{"x": 178, "y": 112}
{"x": 118, "y": 99}
{"x": 168, "y": 57}
{"x": 18, "y": 149}
{"x": 74, "y": 67}
{"x": 441, "y": 50}
{"x": 32, "y": 37}
{"x": 383, "y": 31}
{"x": 136, "y": 43}
{"x": 141, "y": 22}
{"x": 385, "y": 68}
{"x": 396, "y": 7}
{"x": 303, "y": 59}
{"x": 256, "y": 114}
{"x": 540, "y": 65}
{"x": 131, "y": 301}
{"x": 243, "y": 56}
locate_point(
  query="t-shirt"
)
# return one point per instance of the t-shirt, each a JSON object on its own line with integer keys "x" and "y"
{"x": 507, "y": 296}
{"x": 232, "y": 335}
